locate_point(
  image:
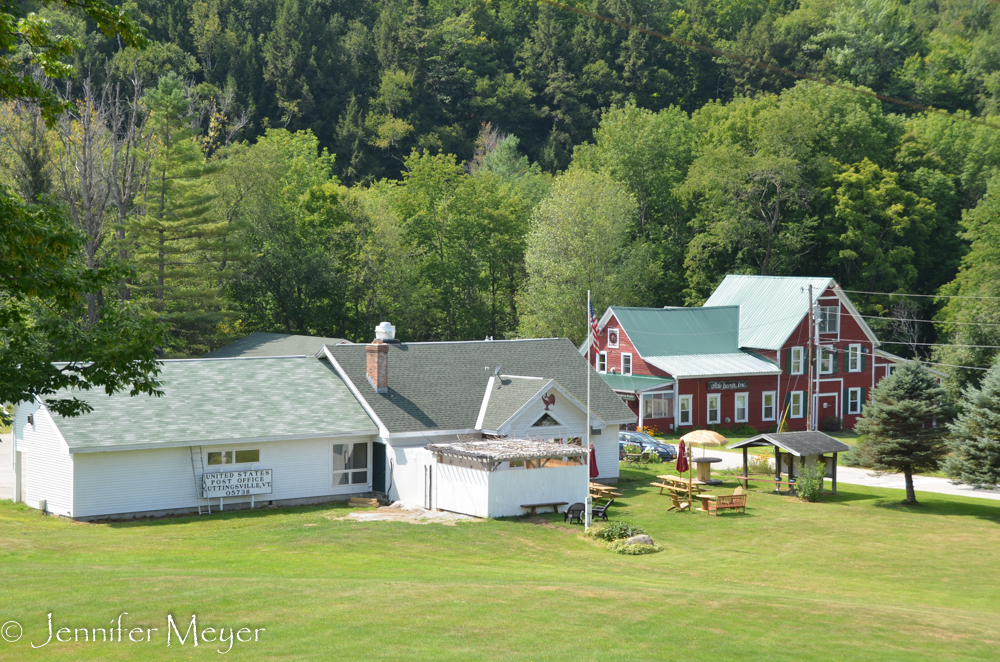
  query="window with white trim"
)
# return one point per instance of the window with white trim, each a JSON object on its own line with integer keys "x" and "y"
{"x": 795, "y": 408}
{"x": 854, "y": 400}
{"x": 714, "y": 410}
{"x": 854, "y": 358}
{"x": 889, "y": 369}
{"x": 233, "y": 457}
{"x": 350, "y": 464}
{"x": 626, "y": 363}
{"x": 657, "y": 405}
{"x": 602, "y": 362}
{"x": 798, "y": 364}
{"x": 685, "y": 410}
{"x": 742, "y": 402}
{"x": 825, "y": 361}
{"x": 829, "y": 319}
{"x": 767, "y": 405}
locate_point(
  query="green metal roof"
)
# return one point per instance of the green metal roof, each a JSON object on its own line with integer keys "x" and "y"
{"x": 440, "y": 385}
{"x": 273, "y": 344}
{"x": 635, "y": 383}
{"x": 681, "y": 331}
{"x": 771, "y": 307}
{"x": 221, "y": 400}
{"x": 509, "y": 394}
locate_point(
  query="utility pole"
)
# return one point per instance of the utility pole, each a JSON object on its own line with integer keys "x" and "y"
{"x": 809, "y": 349}
{"x": 588, "y": 504}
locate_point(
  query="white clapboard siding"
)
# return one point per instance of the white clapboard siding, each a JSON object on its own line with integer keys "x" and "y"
{"x": 114, "y": 482}
{"x": 408, "y": 474}
{"x": 48, "y": 467}
{"x": 606, "y": 452}
{"x": 572, "y": 418}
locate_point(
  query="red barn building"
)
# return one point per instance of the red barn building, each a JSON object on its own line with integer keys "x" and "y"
{"x": 742, "y": 358}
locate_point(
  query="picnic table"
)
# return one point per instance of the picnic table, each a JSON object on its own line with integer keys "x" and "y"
{"x": 553, "y": 505}
{"x": 676, "y": 485}
{"x": 599, "y": 491}
{"x": 705, "y": 498}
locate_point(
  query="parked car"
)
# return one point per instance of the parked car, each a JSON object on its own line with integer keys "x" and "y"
{"x": 647, "y": 443}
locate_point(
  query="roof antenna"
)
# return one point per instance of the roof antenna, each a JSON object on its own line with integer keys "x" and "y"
{"x": 496, "y": 371}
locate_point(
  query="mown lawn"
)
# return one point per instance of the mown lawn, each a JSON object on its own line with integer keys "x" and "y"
{"x": 855, "y": 577}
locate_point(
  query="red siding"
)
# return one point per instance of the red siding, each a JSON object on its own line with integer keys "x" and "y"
{"x": 832, "y": 388}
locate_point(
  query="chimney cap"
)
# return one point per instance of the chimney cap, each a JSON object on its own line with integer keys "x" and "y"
{"x": 385, "y": 332}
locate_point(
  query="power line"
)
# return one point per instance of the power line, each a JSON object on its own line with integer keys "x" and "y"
{"x": 899, "y": 294}
{"x": 765, "y": 65}
{"x": 900, "y": 319}
{"x": 934, "y": 344}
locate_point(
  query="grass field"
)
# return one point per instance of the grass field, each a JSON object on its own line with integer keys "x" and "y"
{"x": 854, "y": 577}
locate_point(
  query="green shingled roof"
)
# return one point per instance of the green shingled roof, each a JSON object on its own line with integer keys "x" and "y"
{"x": 273, "y": 344}
{"x": 440, "y": 386}
{"x": 681, "y": 331}
{"x": 221, "y": 400}
{"x": 771, "y": 307}
{"x": 635, "y": 383}
{"x": 509, "y": 394}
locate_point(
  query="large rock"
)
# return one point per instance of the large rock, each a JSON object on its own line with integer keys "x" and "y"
{"x": 641, "y": 539}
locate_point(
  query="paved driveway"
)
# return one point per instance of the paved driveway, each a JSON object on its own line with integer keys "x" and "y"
{"x": 853, "y": 476}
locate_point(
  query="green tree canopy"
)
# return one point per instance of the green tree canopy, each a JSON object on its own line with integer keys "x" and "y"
{"x": 975, "y": 434}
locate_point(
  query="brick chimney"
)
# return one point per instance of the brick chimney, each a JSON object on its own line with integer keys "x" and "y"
{"x": 377, "y": 355}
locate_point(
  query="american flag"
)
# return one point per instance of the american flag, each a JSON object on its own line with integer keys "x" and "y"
{"x": 594, "y": 333}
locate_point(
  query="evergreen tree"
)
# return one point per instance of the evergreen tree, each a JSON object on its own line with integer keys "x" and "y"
{"x": 975, "y": 434}
{"x": 903, "y": 423}
{"x": 176, "y": 235}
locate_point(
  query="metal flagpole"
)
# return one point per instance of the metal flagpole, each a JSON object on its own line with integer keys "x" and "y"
{"x": 590, "y": 345}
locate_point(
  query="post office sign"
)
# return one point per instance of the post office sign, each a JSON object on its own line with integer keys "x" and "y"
{"x": 236, "y": 483}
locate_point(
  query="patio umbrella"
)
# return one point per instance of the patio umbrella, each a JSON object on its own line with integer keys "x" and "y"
{"x": 593, "y": 464}
{"x": 682, "y": 460}
{"x": 705, "y": 438}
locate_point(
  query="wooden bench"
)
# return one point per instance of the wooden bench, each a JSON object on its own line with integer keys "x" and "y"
{"x": 730, "y": 502}
{"x": 554, "y": 506}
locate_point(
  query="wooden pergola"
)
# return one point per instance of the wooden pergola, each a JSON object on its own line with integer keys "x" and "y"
{"x": 796, "y": 444}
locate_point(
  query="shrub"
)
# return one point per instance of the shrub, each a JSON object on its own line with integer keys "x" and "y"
{"x": 743, "y": 430}
{"x": 620, "y": 547}
{"x": 616, "y": 531}
{"x": 809, "y": 483}
{"x": 760, "y": 464}
{"x": 858, "y": 456}
{"x": 832, "y": 423}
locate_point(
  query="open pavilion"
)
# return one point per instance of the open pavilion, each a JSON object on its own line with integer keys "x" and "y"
{"x": 809, "y": 447}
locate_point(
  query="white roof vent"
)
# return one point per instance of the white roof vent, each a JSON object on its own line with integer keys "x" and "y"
{"x": 385, "y": 331}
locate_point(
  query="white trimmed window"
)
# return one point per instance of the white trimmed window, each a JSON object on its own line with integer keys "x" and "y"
{"x": 829, "y": 319}
{"x": 626, "y": 363}
{"x": 854, "y": 358}
{"x": 685, "y": 410}
{"x": 825, "y": 362}
{"x": 350, "y": 464}
{"x": 854, "y": 400}
{"x": 797, "y": 361}
{"x": 742, "y": 402}
{"x": 602, "y": 362}
{"x": 767, "y": 406}
{"x": 657, "y": 405}
{"x": 795, "y": 408}
{"x": 889, "y": 369}
{"x": 714, "y": 410}
{"x": 233, "y": 457}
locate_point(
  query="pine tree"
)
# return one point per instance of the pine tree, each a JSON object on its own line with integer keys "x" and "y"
{"x": 178, "y": 236}
{"x": 903, "y": 423}
{"x": 975, "y": 434}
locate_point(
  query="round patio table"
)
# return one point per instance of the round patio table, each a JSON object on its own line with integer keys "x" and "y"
{"x": 705, "y": 469}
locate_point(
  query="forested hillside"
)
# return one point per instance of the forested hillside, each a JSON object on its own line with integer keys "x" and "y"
{"x": 469, "y": 168}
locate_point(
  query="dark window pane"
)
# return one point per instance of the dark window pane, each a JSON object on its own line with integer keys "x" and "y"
{"x": 341, "y": 479}
{"x": 215, "y": 458}
{"x": 359, "y": 458}
{"x": 247, "y": 456}
{"x": 359, "y": 477}
{"x": 339, "y": 459}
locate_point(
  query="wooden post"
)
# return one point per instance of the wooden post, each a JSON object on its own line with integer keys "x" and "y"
{"x": 746, "y": 466}
{"x": 777, "y": 463}
{"x": 835, "y": 472}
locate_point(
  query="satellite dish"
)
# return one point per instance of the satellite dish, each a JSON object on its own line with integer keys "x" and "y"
{"x": 496, "y": 371}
